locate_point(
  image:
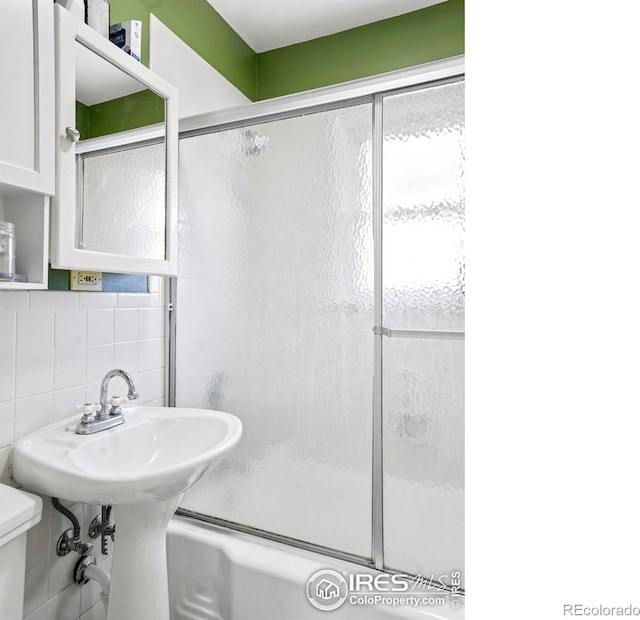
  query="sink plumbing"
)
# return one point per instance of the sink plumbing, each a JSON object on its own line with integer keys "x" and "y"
{"x": 86, "y": 568}
{"x": 70, "y": 539}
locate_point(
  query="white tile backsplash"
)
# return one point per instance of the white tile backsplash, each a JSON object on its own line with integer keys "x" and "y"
{"x": 34, "y": 330}
{"x": 65, "y": 605}
{"x": 34, "y": 373}
{"x": 133, "y": 300}
{"x": 35, "y": 587}
{"x": 99, "y": 327}
{"x": 70, "y": 329}
{"x": 69, "y": 368}
{"x": 97, "y": 612}
{"x": 38, "y": 614}
{"x": 55, "y": 347}
{"x": 7, "y": 377}
{"x": 126, "y": 324}
{"x": 99, "y": 362}
{"x": 157, "y": 300}
{"x": 150, "y": 323}
{"x": 151, "y": 385}
{"x": 125, "y": 356}
{"x": 66, "y": 401}
{"x": 7, "y": 333}
{"x": 97, "y": 300}
{"x": 32, "y": 413}
{"x": 38, "y": 543}
{"x": 14, "y": 300}
{"x": 6, "y": 423}
{"x": 150, "y": 354}
{"x": 55, "y": 300}
{"x": 92, "y": 392}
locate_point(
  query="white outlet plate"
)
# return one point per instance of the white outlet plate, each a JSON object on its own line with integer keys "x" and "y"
{"x": 86, "y": 281}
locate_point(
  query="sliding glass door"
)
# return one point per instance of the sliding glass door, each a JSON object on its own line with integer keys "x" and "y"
{"x": 423, "y": 317}
{"x": 274, "y": 321}
{"x": 320, "y": 298}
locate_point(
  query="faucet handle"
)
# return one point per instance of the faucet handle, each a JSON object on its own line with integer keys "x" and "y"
{"x": 115, "y": 405}
{"x": 88, "y": 412}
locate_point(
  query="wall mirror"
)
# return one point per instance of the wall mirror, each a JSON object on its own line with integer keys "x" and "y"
{"x": 116, "y": 160}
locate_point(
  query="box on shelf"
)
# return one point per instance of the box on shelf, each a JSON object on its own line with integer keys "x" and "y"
{"x": 128, "y": 36}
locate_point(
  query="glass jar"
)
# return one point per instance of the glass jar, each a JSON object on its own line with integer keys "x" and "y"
{"x": 7, "y": 251}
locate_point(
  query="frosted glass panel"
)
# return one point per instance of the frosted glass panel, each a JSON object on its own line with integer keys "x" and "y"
{"x": 423, "y": 207}
{"x": 423, "y": 403}
{"x": 123, "y": 202}
{"x": 274, "y": 318}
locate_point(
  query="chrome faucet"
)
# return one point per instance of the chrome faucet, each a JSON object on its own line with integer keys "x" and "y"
{"x": 100, "y": 417}
{"x": 132, "y": 394}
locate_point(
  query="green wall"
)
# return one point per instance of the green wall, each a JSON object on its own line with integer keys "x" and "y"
{"x": 121, "y": 114}
{"x": 200, "y": 27}
{"x": 414, "y": 38}
{"x": 82, "y": 119}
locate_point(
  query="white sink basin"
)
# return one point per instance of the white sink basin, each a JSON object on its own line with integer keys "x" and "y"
{"x": 141, "y": 467}
{"x": 158, "y": 453}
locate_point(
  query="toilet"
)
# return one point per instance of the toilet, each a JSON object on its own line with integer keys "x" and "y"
{"x": 19, "y": 511}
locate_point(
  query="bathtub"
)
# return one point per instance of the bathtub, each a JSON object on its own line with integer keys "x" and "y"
{"x": 217, "y": 574}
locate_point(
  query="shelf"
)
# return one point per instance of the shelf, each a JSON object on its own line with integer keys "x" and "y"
{"x": 29, "y": 212}
{"x": 21, "y": 286}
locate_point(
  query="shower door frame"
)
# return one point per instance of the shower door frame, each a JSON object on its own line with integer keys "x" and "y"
{"x": 367, "y": 90}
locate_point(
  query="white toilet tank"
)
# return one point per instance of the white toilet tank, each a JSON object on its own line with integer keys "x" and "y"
{"x": 18, "y": 512}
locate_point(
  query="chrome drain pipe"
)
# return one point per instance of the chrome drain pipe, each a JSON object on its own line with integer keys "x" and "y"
{"x": 87, "y": 570}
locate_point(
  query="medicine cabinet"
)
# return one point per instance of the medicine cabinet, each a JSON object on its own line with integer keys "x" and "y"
{"x": 115, "y": 207}
{"x": 26, "y": 104}
{"x": 26, "y": 135}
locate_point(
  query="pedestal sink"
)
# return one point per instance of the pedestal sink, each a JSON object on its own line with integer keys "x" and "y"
{"x": 142, "y": 467}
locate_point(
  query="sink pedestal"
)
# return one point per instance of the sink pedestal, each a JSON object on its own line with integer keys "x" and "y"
{"x": 139, "y": 582}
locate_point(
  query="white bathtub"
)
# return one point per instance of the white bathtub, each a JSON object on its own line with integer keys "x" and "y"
{"x": 215, "y": 574}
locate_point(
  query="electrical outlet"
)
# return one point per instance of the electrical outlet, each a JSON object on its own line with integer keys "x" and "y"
{"x": 86, "y": 281}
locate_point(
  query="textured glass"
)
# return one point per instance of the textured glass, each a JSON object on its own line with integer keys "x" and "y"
{"x": 423, "y": 207}
{"x": 123, "y": 205}
{"x": 274, "y": 320}
{"x": 423, "y": 404}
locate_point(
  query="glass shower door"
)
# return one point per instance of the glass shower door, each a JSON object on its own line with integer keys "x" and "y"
{"x": 344, "y": 361}
{"x": 274, "y": 317}
{"x": 423, "y": 313}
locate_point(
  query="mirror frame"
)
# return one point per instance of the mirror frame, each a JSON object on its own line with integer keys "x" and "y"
{"x": 64, "y": 217}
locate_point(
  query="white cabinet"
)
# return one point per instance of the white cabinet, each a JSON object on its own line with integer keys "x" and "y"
{"x": 116, "y": 127}
{"x": 26, "y": 103}
{"x": 27, "y": 160}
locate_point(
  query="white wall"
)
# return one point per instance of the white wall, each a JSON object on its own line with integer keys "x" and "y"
{"x": 55, "y": 347}
{"x": 201, "y": 88}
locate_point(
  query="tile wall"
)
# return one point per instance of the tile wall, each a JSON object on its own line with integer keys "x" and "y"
{"x": 55, "y": 347}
